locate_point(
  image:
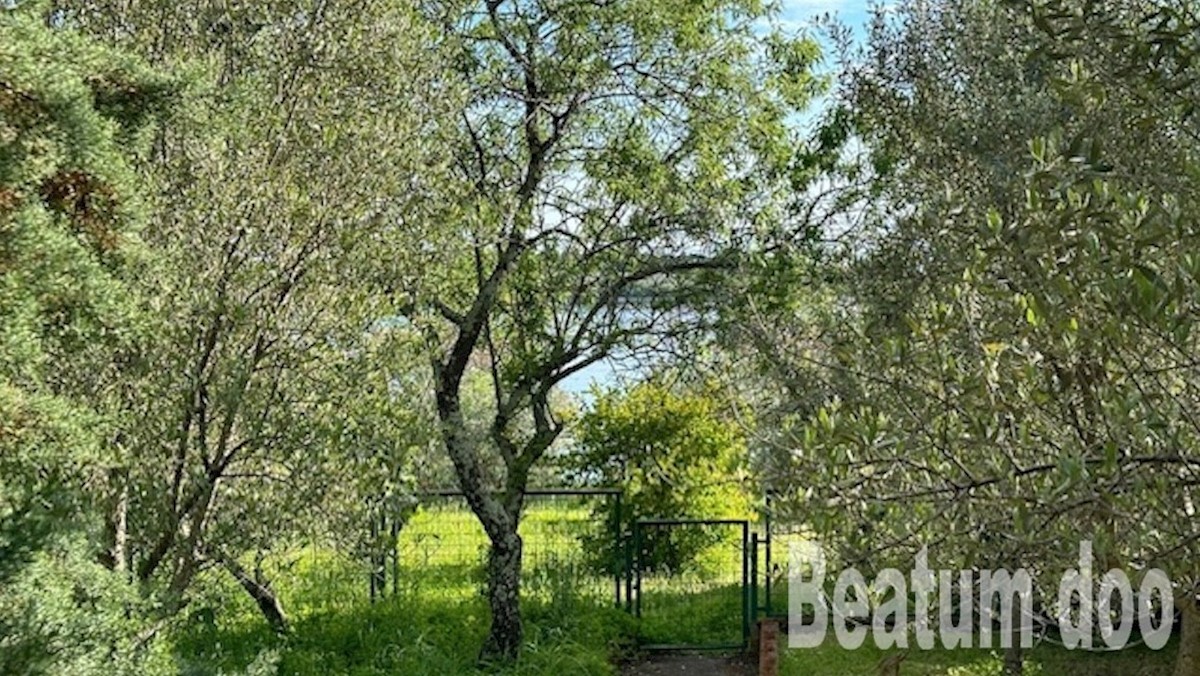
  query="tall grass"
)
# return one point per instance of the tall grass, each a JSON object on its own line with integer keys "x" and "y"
{"x": 406, "y": 636}
{"x": 436, "y": 620}
{"x": 433, "y": 621}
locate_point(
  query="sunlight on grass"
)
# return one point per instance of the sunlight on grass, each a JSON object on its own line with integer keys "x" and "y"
{"x": 436, "y": 621}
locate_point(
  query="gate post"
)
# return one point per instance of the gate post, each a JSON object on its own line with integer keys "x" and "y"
{"x": 620, "y": 557}
{"x": 746, "y": 608}
{"x": 754, "y": 542}
{"x": 767, "y": 558}
{"x": 627, "y": 539}
{"x": 768, "y": 647}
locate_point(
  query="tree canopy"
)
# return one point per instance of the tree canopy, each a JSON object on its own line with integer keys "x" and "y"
{"x": 270, "y": 269}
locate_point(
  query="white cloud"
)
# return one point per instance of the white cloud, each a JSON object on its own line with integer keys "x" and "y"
{"x": 804, "y": 8}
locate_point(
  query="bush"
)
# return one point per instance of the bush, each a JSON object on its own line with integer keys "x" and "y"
{"x": 65, "y": 614}
{"x": 675, "y": 455}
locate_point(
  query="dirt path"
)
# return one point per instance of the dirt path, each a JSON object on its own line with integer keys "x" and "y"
{"x": 689, "y": 665}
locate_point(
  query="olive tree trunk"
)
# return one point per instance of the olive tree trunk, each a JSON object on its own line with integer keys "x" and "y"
{"x": 504, "y": 598}
{"x": 1187, "y": 661}
{"x": 499, "y": 517}
{"x": 1014, "y": 661}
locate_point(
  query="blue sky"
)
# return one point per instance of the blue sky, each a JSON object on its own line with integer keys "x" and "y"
{"x": 798, "y": 13}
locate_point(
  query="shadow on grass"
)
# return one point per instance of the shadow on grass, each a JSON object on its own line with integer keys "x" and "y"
{"x": 410, "y": 636}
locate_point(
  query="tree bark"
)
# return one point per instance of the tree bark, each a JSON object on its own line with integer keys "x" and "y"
{"x": 120, "y": 549}
{"x": 1014, "y": 660}
{"x": 259, "y": 590}
{"x": 1014, "y": 655}
{"x": 1187, "y": 661}
{"x": 504, "y": 597}
{"x": 498, "y": 517}
{"x": 116, "y": 527}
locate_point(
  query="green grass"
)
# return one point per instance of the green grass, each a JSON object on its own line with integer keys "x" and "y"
{"x": 443, "y": 551}
{"x": 703, "y": 615}
{"x": 700, "y": 604}
{"x": 435, "y": 622}
{"x": 398, "y": 636}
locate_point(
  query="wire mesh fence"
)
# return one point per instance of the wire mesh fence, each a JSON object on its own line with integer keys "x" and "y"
{"x": 692, "y": 583}
{"x": 570, "y": 542}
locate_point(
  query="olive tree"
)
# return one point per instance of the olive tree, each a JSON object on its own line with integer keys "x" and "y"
{"x": 613, "y": 158}
{"x": 303, "y": 156}
{"x": 1017, "y": 340}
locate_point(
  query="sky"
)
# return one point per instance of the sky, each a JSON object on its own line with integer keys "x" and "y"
{"x": 795, "y": 15}
{"x": 799, "y": 13}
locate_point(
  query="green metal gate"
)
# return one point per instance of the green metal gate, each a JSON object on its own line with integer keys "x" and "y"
{"x": 690, "y": 584}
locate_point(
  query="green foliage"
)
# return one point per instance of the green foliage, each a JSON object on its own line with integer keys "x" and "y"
{"x": 48, "y": 438}
{"x": 221, "y": 349}
{"x": 675, "y": 454}
{"x": 612, "y": 161}
{"x": 68, "y": 217}
{"x": 271, "y": 400}
{"x": 68, "y": 211}
{"x": 1014, "y": 357}
{"x": 71, "y": 122}
{"x": 64, "y": 613}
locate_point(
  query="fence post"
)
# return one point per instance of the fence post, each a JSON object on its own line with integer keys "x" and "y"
{"x": 618, "y": 548}
{"x": 629, "y": 545}
{"x": 768, "y": 647}
{"x": 636, "y": 568}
